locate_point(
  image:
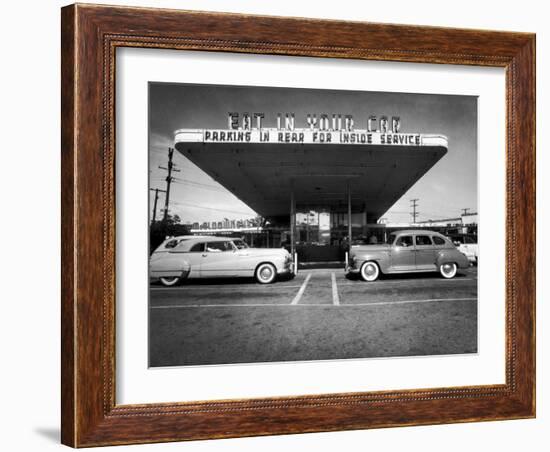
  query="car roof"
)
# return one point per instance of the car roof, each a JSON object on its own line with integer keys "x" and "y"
{"x": 418, "y": 232}
{"x": 209, "y": 238}
{"x": 180, "y": 237}
{"x": 186, "y": 245}
{"x": 190, "y": 237}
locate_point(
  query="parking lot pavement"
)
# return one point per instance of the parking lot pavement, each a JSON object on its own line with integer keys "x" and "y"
{"x": 320, "y": 314}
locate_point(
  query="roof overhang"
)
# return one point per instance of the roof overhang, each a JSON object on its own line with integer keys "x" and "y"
{"x": 263, "y": 166}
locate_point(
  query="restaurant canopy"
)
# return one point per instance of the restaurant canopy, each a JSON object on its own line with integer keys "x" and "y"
{"x": 265, "y": 168}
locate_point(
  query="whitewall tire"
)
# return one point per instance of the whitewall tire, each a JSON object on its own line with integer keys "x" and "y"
{"x": 448, "y": 270}
{"x": 370, "y": 271}
{"x": 265, "y": 273}
{"x": 170, "y": 281}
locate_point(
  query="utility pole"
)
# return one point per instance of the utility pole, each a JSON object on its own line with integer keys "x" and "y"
{"x": 171, "y": 167}
{"x": 414, "y": 205}
{"x": 156, "y": 190}
{"x": 465, "y": 211}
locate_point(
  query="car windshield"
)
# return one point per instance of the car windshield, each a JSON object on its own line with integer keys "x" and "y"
{"x": 390, "y": 239}
{"x": 240, "y": 244}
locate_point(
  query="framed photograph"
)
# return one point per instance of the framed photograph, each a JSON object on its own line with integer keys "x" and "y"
{"x": 282, "y": 225}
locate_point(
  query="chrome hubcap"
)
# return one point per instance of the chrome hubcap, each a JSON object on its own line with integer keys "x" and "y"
{"x": 369, "y": 272}
{"x": 266, "y": 273}
{"x": 448, "y": 268}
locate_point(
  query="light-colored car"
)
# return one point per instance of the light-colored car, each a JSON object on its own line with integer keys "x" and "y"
{"x": 466, "y": 244}
{"x": 409, "y": 251}
{"x": 185, "y": 257}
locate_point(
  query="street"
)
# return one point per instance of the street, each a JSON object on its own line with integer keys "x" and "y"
{"x": 321, "y": 314}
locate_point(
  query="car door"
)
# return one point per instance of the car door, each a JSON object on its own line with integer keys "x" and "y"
{"x": 194, "y": 258}
{"x": 403, "y": 254}
{"x": 218, "y": 259}
{"x": 246, "y": 260}
{"x": 424, "y": 253}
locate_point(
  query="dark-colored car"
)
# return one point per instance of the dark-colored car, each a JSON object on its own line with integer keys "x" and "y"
{"x": 409, "y": 251}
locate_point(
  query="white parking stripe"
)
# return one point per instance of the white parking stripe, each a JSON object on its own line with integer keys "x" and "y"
{"x": 301, "y": 291}
{"x": 242, "y": 305}
{"x": 265, "y": 287}
{"x": 384, "y": 283}
{"x": 335, "y": 298}
{"x": 351, "y": 305}
{"x": 428, "y": 300}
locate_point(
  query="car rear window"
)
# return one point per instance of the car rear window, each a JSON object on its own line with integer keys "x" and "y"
{"x": 404, "y": 240}
{"x": 438, "y": 240}
{"x": 197, "y": 248}
{"x": 216, "y": 247}
{"x": 423, "y": 240}
{"x": 171, "y": 244}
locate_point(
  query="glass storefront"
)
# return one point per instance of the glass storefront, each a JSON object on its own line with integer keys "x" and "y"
{"x": 322, "y": 235}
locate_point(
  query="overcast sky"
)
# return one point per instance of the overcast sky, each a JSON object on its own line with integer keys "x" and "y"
{"x": 443, "y": 191}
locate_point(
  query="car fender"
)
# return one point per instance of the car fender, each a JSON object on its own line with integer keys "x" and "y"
{"x": 382, "y": 258}
{"x": 249, "y": 262}
{"x": 275, "y": 259}
{"x": 446, "y": 256}
{"x": 169, "y": 265}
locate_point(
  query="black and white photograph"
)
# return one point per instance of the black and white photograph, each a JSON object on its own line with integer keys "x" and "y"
{"x": 294, "y": 224}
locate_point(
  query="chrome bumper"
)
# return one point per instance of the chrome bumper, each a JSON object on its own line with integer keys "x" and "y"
{"x": 284, "y": 271}
{"x": 287, "y": 268}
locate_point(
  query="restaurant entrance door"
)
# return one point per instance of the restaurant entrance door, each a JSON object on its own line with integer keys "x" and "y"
{"x": 314, "y": 238}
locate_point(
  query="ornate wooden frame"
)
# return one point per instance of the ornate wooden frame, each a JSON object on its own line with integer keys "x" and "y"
{"x": 90, "y": 35}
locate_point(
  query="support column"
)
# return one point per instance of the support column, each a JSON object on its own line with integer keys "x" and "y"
{"x": 365, "y": 220}
{"x": 349, "y": 214}
{"x": 292, "y": 221}
{"x": 307, "y": 227}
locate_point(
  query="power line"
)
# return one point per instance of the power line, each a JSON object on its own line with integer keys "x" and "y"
{"x": 177, "y": 180}
{"x": 186, "y": 204}
{"x": 157, "y": 149}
